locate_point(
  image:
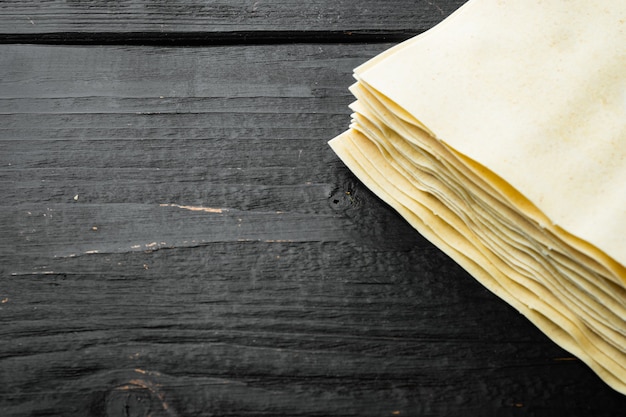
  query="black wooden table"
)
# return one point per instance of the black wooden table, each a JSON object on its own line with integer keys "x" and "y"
{"x": 177, "y": 239}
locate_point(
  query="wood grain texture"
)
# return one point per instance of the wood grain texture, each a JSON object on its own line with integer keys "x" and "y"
{"x": 132, "y": 18}
{"x": 177, "y": 239}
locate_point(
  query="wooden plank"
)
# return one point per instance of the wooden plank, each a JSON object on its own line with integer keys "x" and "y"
{"x": 143, "y": 20}
{"x": 176, "y": 238}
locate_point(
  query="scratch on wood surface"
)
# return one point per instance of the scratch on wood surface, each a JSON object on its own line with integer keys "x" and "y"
{"x": 17, "y": 274}
{"x": 196, "y": 208}
{"x": 144, "y": 372}
{"x": 436, "y": 7}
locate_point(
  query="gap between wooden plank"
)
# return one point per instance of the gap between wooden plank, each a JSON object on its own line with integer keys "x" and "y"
{"x": 207, "y": 38}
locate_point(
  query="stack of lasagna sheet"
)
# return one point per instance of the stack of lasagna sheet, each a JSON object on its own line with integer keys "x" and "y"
{"x": 500, "y": 135}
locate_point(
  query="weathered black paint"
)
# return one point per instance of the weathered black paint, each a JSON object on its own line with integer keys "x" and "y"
{"x": 215, "y": 17}
{"x": 177, "y": 239}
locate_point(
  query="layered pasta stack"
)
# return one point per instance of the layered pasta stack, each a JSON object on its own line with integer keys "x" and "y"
{"x": 500, "y": 135}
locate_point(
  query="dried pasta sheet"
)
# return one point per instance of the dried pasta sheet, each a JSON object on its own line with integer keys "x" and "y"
{"x": 500, "y": 135}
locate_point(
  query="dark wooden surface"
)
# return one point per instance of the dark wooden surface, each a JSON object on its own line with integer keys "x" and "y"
{"x": 123, "y": 17}
{"x": 177, "y": 239}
